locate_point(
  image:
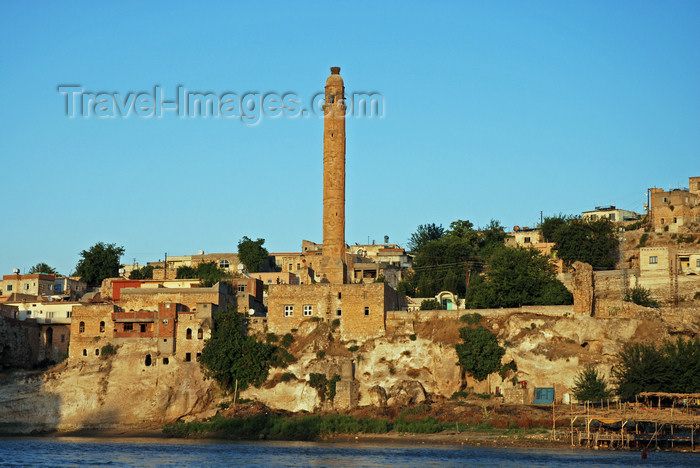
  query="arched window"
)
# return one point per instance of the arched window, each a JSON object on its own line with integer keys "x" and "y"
{"x": 224, "y": 264}
{"x": 102, "y": 327}
{"x": 148, "y": 360}
{"x": 189, "y": 334}
{"x": 85, "y": 352}
{"x": 200, "y": 334}
{"x": 97, "y": 351}
{"x": 81, "y": 327}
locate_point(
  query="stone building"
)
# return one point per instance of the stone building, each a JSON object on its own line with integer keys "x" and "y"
{"x": 672, "y": 273}
{"x": 38, "y": 284}
{"x": 359, "y": 308}
{"x": 676, "y": 210}
{"x": 616, "y": 215}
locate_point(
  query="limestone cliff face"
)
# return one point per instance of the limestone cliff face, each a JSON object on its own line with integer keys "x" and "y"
{"x": 122, "y": 392}
{"x": 119, "y": 392}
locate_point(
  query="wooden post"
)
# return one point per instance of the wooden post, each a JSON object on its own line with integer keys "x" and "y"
{"x": 554, "y": 423}
{"x": 235, "y": 394}
{"x": 588, "y": 423}
{"x": 572, "y": 422}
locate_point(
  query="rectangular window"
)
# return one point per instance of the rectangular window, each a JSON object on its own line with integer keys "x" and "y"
{"x": 308, "y": 310}
{"x": 339, "y": 312}
{"x": 188, "y": 357}
{"x": 242, "y": 287}
{"x": 653, "y": 259}
{"x": 612, "y": 216}
{"x": 128, "y": 326}
{"x": 675, "y": 220}
{"x": 9, "y": 287}
{"x": 340, "y": 295}
{"x": 697, "y": 263}
{"x": 662, "y": 221}
{"x": 366, "y": 311}
{"x": 527, "y": 240}
{"x": 50, "y": 287}
{"x": 665, "y": 200}
{"x": 298, "y": 266}
{"x": 63, "y": 338}
{"x": 26, "y": 286}
{"x": 143, "y": 328}
{"x": 288, "y": 310}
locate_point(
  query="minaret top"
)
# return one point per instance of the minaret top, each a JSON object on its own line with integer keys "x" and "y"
{"x": 335, "y": 80}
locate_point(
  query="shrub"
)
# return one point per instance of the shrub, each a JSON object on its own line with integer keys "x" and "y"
{"x": 412, "y": 337}
{"x": 641, "y": 296}
{"x": 643, "y": 240}
{"x": 335, "y": 323}
{"x": 320, "y": 354}
{"x": 406, "y": 353}
{"x": 271, "y": 338}
{"x": 457, "y": 395}
{"x": 107, "y": 351}
{"x": 287, "y": 340}
{"x": 287, "y": 376}
{"x": 471, "y": 319}
{"x": 353, "y": 348}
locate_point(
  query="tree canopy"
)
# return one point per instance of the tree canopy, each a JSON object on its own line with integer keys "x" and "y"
{"x": 515, "y": 277}
{"x": 99, "y": 262}
{"x": 589, "y": 385}
{"x": 252, "y": 253}
{"x": 592, "y": 242}
{"x": 230, "y": 355}
{"x": 479, "y": 354}
{"x": 145, "y": 272}
{"x": 424, "y": 234}
{"x": 208, "y": 273}
{"x": 440, "y": 257}
{"x": 42, "y": 268}
{"x": 673, "y": 367}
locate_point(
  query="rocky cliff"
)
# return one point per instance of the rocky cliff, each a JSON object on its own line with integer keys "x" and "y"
{"x": 406, "y": 367}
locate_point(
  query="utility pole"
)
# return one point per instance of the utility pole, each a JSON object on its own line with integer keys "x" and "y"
{"x": 623, "y": 270}
{"x": 541, "y": 218}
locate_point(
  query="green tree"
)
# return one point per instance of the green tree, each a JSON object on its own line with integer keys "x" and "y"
{"x": 145, "y": 272}
{"x": 589, "y": 385}
{"x": 674, "y": 367}
{"x": 424, "y": 234}
{"x": 479, "y": 354}
{"x": 252, "y": 253}
{"x": 593, "y": 242}
{"x": 99, "y": 262}
{"x": 209, "y": 273}
{"x": 230, "y": 355}
{"x": 430, "y": 304}
{"x": 516, "y": 277}
{"x": 42, "y": 268}
{"x": 185, "y": 272}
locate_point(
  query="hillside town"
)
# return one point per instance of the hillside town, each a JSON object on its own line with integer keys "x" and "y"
{"x": 379, "y": 320}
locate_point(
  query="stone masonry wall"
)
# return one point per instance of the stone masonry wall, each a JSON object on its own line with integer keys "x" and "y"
{"x": 362, "y": 307}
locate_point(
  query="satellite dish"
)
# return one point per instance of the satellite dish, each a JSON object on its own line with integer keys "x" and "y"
{"x": 122, "y": 271}
{"x": 251, "y": 312}
{"x": 241, "y": 268}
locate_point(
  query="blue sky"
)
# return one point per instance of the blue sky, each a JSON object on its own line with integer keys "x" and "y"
{"x": 492, "y": 110}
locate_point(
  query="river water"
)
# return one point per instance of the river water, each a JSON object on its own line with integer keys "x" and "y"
{"x": 73, "y": 451}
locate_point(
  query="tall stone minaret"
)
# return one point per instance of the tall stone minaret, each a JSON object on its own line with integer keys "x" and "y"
{"x": 333, "y": 267}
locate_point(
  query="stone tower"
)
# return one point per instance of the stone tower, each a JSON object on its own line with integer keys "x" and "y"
{"x": 333, "y": 267}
